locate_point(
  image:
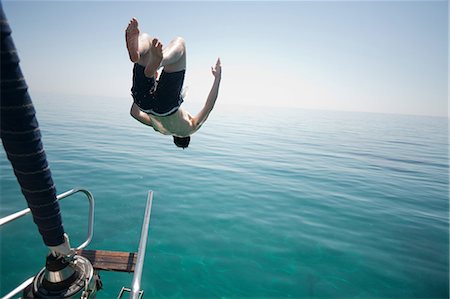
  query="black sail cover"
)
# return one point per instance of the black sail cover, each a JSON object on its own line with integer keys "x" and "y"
{"x": 21, "y": 139}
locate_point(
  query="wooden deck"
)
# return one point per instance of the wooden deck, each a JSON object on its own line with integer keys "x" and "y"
{"x": 110, "y": 260}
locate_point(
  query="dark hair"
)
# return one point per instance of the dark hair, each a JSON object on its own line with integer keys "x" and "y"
{"x": 182, "y": 141}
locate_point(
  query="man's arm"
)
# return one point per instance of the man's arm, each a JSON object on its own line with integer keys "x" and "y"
{"x": 139, "y": 115}
{"x": 201, "y": 117}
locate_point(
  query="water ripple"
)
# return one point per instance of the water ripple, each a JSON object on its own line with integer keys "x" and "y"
{"x": 303, "y": 204}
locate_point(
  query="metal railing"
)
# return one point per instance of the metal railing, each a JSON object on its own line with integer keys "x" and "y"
{"x": 17, "y": 215}
{"x": 19, "y": 288}
{"x": 136, "y": 283}
{"x": 135, "y": 290}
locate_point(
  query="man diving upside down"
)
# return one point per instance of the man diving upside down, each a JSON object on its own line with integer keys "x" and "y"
{"x": 157, "y": 103}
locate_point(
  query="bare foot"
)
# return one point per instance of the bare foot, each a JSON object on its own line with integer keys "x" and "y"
{"x": 132, "y": 39}
{"x": 156, "y": 56}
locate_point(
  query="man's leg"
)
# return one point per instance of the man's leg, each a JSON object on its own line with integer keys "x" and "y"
{"x": 148, "y": 52}
{"x": 143, "y": 49}
{"x": 137, "y": 44}
{"x": 174, "y": 56}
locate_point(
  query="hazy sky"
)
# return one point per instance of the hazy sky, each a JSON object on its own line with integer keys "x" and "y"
{"x": 379, "y": 56}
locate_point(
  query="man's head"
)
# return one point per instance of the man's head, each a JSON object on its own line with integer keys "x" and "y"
{"x": 182, "y": 142}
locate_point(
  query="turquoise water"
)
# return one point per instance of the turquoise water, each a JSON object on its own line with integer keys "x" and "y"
{"x": 265, "y": 203}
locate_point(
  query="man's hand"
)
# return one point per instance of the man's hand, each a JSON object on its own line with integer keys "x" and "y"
{"x": 217, "y": 69}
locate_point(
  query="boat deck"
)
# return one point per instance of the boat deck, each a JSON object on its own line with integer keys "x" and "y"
{"x": 110, "y": 260}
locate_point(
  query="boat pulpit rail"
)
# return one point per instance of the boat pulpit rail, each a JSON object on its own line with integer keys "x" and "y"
{"x": 17, "y": 215}
{"x": 101, "y": 259}
{"x": 135, "y": 290}
{"x": 61, "y": 196}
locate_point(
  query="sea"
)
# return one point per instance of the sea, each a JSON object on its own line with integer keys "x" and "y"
{"x": 265, "y": 202}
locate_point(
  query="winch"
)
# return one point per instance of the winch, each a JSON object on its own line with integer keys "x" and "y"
{"x": 64, "y": 277}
